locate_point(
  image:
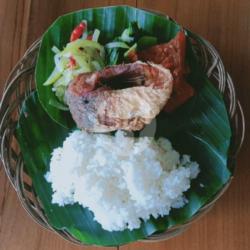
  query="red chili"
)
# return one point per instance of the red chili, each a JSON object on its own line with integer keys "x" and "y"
{"x": 78, "y": 31}
{"x": 72, "y": 62}
{"x": 132, "y": 56}
{"x": 90, "y": 37}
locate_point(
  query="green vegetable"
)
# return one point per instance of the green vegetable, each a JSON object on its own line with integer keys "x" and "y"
{"x": 83, "y": 62}
{"x": 131, "y": 49}
{"x": 76, "y": 58}
{"x": 60, "y": 91}
{"x": 114, "y": 56}
{"x": 55, "y": 50}
{"x": 146, "y": 41}
{"x": 96, "y": 35}
{"x": 116, "y": 53}
{"x": 126, "y": 35}
{"x": 58, "y": 105}
{"x": 96, "y": 65}
{"x": 75, "y": 45}
{"x": 134, "y": 31}
{"x": 53, "y": 77}
{"x": 116, "y": 45}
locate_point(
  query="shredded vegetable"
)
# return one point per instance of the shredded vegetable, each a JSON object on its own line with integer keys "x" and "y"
{"x": 127, "y": 34}
{"x": 131, "y": 49}
{"x": 58, "y": 105}
{"x": 55, "y": 49}
{"x": 79, "y": 56}
{"x": 116, "y": 45}
{"x": 96, "y": 35}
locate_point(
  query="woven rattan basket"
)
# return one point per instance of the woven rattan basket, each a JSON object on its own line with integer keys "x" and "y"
{"x": 21, "y": 82}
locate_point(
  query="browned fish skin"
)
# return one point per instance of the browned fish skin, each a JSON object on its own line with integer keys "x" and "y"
{"x": 98, "y": 108}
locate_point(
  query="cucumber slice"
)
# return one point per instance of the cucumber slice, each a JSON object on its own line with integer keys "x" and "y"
{"x": 54, "y": 76}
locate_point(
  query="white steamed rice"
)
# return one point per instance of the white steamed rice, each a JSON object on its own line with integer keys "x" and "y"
{"x": 120, "y": 179}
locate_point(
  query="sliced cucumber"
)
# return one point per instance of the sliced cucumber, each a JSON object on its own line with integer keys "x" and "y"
{"x": 54, "y": 76}
{"x": 116, "y": 45}
{"x": 131, "y": 49}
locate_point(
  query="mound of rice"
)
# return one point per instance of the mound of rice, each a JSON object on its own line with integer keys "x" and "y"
{"x": 122, "y": 180}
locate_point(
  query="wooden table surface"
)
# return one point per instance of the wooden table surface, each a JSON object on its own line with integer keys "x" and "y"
{"x": 226, "y": 23}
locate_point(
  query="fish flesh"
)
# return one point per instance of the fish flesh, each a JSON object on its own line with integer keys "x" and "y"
{"x": 171, "y": 55}
{"x": 96, "y": 106}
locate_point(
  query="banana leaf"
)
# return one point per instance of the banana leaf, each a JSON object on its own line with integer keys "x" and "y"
{"x": 200, "y": 128}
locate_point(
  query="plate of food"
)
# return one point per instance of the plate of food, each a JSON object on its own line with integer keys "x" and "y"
{"x": 129, "y": 132}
